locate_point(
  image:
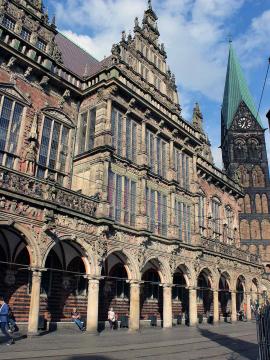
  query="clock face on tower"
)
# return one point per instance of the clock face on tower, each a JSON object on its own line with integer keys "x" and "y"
{"x": 244, "y": 122}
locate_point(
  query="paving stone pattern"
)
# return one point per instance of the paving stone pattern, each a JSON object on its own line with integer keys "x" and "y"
{"x": 223, "y": 342}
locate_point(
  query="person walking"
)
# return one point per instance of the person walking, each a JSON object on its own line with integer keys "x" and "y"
{"x": 4, "y": 310}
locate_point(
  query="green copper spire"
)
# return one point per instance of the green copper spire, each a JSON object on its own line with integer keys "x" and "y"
{"x": 236, "y": 90}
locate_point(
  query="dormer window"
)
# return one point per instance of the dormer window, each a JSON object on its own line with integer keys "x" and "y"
{"x": 41, "y": 45}
{"x": 25, "y": 34}
{"x": 8, "y": 23}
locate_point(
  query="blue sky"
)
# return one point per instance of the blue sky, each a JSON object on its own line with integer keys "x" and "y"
{"x": 195, "y": 33}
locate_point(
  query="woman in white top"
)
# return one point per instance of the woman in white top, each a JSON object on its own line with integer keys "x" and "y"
{"x": 111, "y": 318}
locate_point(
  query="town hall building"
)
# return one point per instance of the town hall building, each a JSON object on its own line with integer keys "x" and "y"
{"x": 108, "y": 196}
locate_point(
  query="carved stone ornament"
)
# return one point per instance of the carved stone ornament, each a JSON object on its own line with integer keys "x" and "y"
{"x": 10, "y": 277}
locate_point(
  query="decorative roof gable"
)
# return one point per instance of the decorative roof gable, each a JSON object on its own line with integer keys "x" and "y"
{"x": 14, "y": 92}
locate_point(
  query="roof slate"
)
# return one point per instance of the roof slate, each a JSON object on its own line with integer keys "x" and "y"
{"x": 76, "y": 59}
{"x": 236, "y": 90}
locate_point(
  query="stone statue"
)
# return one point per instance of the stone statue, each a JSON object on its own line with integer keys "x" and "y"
{"x": 30, "y": 158}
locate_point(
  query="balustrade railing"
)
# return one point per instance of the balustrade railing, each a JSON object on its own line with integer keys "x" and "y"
{"x": 47, "y": 190}
{"x": 229, "y": 250}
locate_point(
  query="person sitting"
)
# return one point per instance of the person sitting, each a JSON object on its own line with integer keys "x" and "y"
{"x": 76, "y": 317}
{"x": 12, "y": 326}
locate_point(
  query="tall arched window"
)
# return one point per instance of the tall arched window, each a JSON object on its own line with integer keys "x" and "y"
{"x": 55, "y": 146}
{"x": 240, "y": 150}
{"x": 254, "y": 149}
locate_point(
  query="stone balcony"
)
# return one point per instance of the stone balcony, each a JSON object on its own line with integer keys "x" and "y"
{"x": 48, "y": 191}
{"x": 229, "y": 250}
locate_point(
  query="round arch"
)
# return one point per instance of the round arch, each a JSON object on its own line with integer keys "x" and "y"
{"x": 205, "y": 285}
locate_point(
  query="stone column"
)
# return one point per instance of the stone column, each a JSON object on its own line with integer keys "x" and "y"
{"x": 216, "y": 307}
{"x": 34, "y": 303}
{"x": 134, "y": 312}
{"x": 193, "y": 307}
{"x": 233, "y": 305}
{"x": 92, "y": 306}
{"x": 167, "y": 306}
{"x": 248, "y": 297}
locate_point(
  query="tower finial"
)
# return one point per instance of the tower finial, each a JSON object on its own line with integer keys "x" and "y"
{"x": 230, "y": 38}
{"x": 150, "y": 4}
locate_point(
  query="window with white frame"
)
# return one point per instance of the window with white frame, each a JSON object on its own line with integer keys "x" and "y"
{"x": 41, "y": 45}
{"x": 216, "y": 218}
{"x": 156, "y": 211}
{"x": 183, "y": 221}
{"x": 10, "y": 123}
{"x": 25, "y": 34}
{"x": 54, "y": 149}
{"x": 182, "y": 168}
{"x": 86, "y": 131}
{"x": 8, "y": 23}
{"x": 122, "y": 198}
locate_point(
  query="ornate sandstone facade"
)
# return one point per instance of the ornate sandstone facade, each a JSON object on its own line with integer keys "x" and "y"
{"x": 107, "y": 195}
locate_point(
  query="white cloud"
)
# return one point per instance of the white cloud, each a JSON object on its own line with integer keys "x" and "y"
{"x": 194, "y": 32}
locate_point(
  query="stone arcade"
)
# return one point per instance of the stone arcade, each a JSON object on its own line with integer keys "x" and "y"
{"x": 108, "y": 197}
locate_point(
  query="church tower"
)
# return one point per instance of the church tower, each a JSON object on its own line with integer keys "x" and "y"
{"x": 245, "y": 158}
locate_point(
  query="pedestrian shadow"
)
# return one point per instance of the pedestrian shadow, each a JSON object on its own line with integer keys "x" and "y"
{"x": 16, "y": 337}
{"x": 238, "y": 347}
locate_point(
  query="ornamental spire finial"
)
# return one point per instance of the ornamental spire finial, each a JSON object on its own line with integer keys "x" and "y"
{"x": 150, "y": 4}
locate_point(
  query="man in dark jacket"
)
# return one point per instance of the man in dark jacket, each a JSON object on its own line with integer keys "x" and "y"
{"x": 4, "y": 321}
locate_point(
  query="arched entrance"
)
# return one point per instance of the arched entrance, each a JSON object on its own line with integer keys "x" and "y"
{"x": 204, "y": 295}
{"x": 114, "y": 287}
{"x": 180, "y": 296}
{"x": 151, "y": 292}
{"x": 224, "y": 297}
{"x": 63, "y": 285}
{"x": 240, "y": 294}
{"x": 15, "y": 277}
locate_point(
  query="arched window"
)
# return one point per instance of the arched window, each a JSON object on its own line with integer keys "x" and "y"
{"x": 244, "y": 230}
{"x": 55, "y": 146}
{"x": 243, "y": 175}
{"x": 266, "y": 229}
{"x": 258, "y": 177}
{"x": 255, "y": 230}
{"x": 240, "y": 150}
{"x": 247, "y": 204}
{"x": 254, "y": 149}
{"x": 258, "y": 204}
{"x": 264, "y": 204}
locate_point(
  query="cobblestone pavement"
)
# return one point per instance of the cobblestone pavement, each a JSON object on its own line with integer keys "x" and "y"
{"x": 223, "y": 342}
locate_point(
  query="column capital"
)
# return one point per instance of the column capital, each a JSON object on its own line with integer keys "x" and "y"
{"x": 167, "y": 285}
{"x": 92, "y": 279}
{"x": 134, "y": 282}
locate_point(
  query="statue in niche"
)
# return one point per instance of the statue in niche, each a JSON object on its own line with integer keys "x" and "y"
{"x": 30, "y": 158}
